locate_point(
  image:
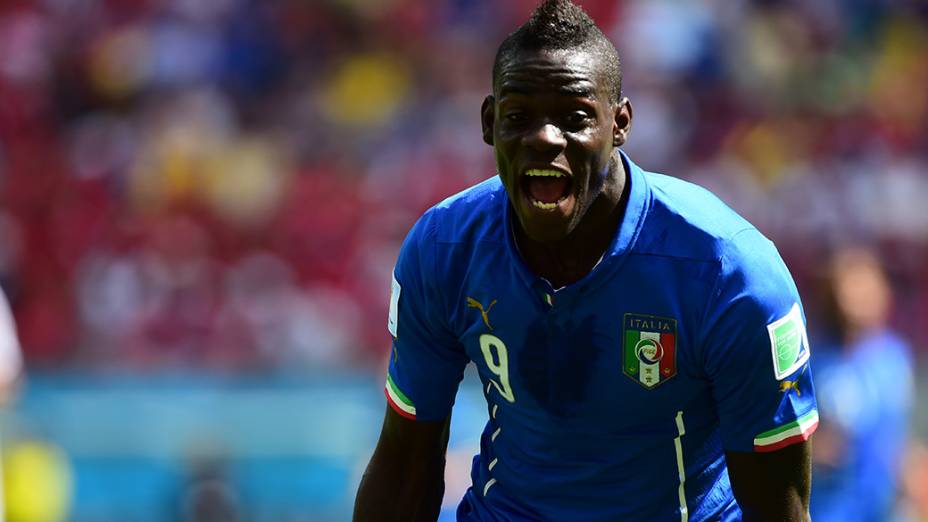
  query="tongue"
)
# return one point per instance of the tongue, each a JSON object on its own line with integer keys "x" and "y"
{"x": 547, "y": 189}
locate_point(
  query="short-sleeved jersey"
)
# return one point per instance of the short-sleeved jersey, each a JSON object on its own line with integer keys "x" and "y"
{"x": 615, "y": 397}
{"x": 865, "y": 389}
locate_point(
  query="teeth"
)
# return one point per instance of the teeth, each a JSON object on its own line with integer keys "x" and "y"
{"x": 544, "y": 173}
{"x": 544, "y": 206}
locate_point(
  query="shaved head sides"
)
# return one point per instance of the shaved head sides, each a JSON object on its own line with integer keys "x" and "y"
{"x": 557, "y": 25}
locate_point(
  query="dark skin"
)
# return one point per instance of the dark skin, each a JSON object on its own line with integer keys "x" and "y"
{"x": 404, "y": 481}
{"x": 554, "y": 110}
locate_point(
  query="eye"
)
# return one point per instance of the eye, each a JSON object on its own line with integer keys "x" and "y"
{"x": 515, "y": 117}
{"x": 578, "y": 118}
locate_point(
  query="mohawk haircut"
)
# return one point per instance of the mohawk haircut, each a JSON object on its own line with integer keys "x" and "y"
{"x": 561, "y": 25}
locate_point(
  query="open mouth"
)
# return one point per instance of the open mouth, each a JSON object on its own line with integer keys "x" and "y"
{"x": 546, "y": 188}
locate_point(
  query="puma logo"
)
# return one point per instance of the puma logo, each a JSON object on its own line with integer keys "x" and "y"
{"x": 786, "y": 386}
{"x": 473, "y": 303}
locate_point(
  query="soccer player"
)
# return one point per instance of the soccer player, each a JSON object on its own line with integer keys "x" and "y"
{"x": 865, "y": 374}
{"x": 642, "y": 348}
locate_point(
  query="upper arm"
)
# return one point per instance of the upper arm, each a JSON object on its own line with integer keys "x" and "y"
{"x": 427, "y": 361}
{"x": 772, "y": 486}
{"x": 416, "y": 442}
{"x": 756, "y": 359}
{"x": 756, "y": 352}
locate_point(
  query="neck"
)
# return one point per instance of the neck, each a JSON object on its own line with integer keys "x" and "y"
{"x": 568, "y": 260}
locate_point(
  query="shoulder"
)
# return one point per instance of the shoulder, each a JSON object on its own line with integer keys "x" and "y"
{"x": 445, "y": 237}
{"x": 694, "y": 203}
{"x": 473, "y": 215}
{"x": 687, "y": 220}
{"x": 885, "y": 349}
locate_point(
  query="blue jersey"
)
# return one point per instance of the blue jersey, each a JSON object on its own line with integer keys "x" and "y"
{"x": 866, "y": 390}
{"x": 615, "y": 397}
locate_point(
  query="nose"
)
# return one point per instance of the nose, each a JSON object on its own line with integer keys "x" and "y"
{"x": 545, "y": 138}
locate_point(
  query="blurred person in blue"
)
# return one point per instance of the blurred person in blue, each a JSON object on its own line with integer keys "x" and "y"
{"x": 642, "y": 348}
{"x": 864, "y": 377}
{"x": 208, "y": 494}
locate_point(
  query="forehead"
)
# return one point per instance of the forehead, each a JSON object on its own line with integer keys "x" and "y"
{"x": 570, "y": 72}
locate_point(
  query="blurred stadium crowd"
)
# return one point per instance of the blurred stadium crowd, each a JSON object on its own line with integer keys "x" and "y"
{"x": 223, "y": 184}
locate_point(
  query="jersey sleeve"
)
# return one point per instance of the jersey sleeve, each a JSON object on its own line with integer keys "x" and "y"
{"x": 426, "y": 362}
{"x": 757, "y": 351}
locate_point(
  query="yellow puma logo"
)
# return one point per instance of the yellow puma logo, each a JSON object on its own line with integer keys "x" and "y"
{"x": 473, "y": 303}
{"x": 786, "y": 386}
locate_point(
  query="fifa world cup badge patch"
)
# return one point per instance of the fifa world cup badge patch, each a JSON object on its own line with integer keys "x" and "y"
{"x": 649, "y": 349}
{"x": 789, "y": 343}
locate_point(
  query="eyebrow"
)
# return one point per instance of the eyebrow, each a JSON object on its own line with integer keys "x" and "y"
{"x": 575, "y": 90}
{"x": 581, "y": 91}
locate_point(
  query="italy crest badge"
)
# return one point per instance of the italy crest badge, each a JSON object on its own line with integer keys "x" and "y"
{"x": 649, "y": 351}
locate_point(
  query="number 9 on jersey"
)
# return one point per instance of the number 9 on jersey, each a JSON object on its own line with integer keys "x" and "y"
{"x": 494, "y": 352}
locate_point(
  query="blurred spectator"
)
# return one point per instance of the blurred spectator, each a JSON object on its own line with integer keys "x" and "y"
{"x": 864, "y": 381}
{"x": 208, "y": 496}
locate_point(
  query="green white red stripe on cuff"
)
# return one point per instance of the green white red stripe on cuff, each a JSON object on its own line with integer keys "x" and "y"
{"x": 796, "y": 431}
{"x": 398, "y": 400}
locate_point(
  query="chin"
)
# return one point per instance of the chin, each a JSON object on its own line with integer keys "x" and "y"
{"x": 553, "y": 232}
{"x": 546, "y": 236}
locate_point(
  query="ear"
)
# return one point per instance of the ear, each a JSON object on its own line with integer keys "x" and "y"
{"x": 487, "y": 117}
{"x": 621, "y": 122}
